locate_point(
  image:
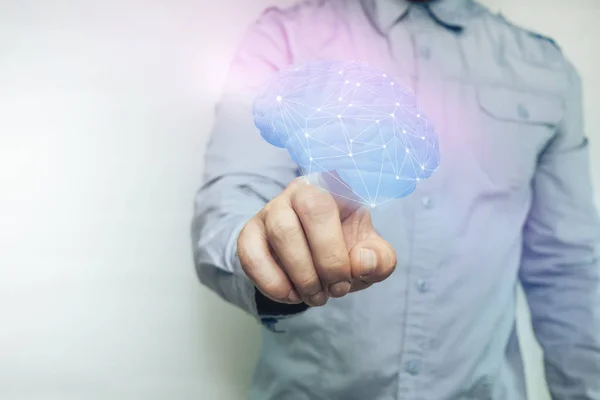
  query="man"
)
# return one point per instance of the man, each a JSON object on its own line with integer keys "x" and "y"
{"x": 511, "y": 201}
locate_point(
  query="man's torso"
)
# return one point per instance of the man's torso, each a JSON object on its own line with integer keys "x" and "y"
{"x": 443, "y": 325}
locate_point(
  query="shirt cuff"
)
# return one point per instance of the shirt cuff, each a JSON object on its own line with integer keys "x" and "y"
{"x": 268, "y": 307}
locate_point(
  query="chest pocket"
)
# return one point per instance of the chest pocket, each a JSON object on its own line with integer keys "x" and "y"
{"x": 513, "y": 128}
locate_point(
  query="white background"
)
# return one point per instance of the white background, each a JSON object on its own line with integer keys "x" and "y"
{"x": 105, "y": 108}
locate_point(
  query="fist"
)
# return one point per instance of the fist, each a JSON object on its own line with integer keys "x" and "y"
{"x": 307, "y": 245}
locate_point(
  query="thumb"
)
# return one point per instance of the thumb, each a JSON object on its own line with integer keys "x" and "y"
{"x": 373, "y": 259}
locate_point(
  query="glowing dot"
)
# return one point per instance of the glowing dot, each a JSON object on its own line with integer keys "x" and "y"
{"x": 347, "y": 82}
{"x": 350, "y": 154}
{"x": 422, "y": 137}
{"x": 377, "y": 121}
{"x": 357, "y": 83}
{"x": 403, "y": 131}
{"x": 351, "y": 140}
{"x": 384, "y": 146}
{"x": 392, "y": 83}
{"x": 318, "y": 109}
{"x": 339, "y": 116}
{"x": 418, "y": 115}
{"x": 418, "y": 179}
{"x": 350, "y": 105}
{"x": 407, "y": 150}
{"x": 385, "y": 75}
{"x": 422, "y": 167}
{"x": 372, "y": 205}
{"x": 392, "y": 114}
{"x": 311, "y": 159}
{"x": 306, "y": 135}
{"x": 278, "y": 98}
{"x": 397, "y": 177}
{"x": 340, "y": 72}
{"x": 397, "y": 104}
{"x": 339, "y": 99}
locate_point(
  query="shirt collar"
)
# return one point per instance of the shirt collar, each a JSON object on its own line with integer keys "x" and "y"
{"x": 453, "y": 14}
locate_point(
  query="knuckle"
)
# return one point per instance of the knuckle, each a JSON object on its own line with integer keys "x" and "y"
{"x": 275, "y": 288}
{"x": 298, "y": 181}
{"x": 308, "y": 285}
{"x": 281, "y": 228}
{"x": 242, "y": 250}
{"x": 315, "y": 204}
{"x": 333, "y": 262}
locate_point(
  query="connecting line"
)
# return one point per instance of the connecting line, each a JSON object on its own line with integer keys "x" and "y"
{"x": 359, "y": 108}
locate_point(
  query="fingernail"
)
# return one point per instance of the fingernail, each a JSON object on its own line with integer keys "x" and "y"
{"x": 368, "y": 259}
{"x": 318, "y": 299}
{"x": 294, "y": 297}
{"x": 339, "y": 289}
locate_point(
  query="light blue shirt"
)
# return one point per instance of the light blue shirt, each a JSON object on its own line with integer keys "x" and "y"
{"x": 511, "y": 201}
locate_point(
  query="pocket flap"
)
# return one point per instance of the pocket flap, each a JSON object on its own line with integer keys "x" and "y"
{"x": 512, "y": 105}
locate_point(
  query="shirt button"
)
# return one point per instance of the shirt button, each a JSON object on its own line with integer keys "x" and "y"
{"x": 412, "y": 367}
{"x": 422, "y": 285}
{"x": 427, "y": 202}
{"x": 522, "y": 111}
{"x": 425, "y": 52}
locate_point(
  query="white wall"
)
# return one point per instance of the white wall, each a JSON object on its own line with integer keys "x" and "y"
{"x": 104, "y": 111}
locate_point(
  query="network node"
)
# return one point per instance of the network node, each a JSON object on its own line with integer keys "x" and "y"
{"x": 296, "y": 100}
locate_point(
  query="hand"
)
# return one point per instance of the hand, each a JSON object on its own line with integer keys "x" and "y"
{"x": 308, "y": 245}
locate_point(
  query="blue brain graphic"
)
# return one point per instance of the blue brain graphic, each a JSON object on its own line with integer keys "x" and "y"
{"x": 350, "y": 121}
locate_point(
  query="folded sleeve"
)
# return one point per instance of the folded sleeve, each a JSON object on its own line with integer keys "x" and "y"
{"x": 242, "y": 172}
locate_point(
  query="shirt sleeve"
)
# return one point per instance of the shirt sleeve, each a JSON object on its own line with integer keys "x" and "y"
{"x": 242, "y": 172}
{"x": 560, "y": 270}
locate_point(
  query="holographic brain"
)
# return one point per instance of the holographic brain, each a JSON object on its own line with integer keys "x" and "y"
{"x": 351, "y": 122}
